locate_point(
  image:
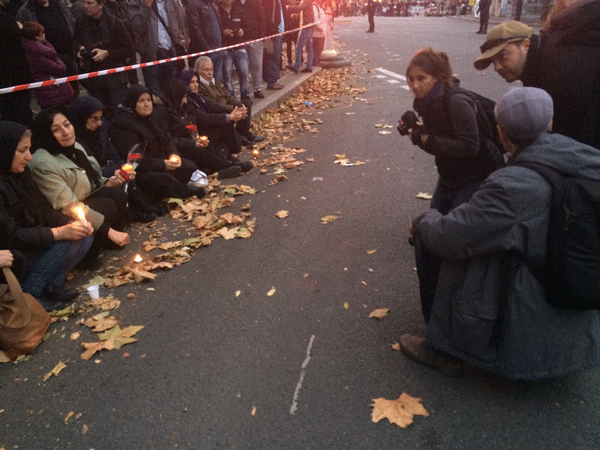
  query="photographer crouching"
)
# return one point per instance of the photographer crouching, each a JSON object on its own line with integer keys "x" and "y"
{"x": 449, "y": 131}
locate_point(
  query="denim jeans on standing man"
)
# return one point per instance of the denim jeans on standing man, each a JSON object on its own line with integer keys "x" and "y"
{"x": 239, "y": 58}
{"x": 273, "y": 68}
{"x": 305, "y": 39}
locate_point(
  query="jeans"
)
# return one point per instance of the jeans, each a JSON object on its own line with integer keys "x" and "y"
{"x": 305, "y": 39}
{"x": 239, "y": 57}
{"x": 157, "y": 77}
{"x": 54, "y": 263}
{"x": 217, "y": 59}
{"x": 255, "y": 61}
{"x": 273, "y": 67}
{"x": 428, "y": 264}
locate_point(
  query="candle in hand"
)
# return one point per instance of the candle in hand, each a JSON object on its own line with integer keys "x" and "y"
{"x": 203, "y": 140}
{"x": 174, "y": 159}
{"x": 78, "y": 210}
{"x": 127, "y": 168}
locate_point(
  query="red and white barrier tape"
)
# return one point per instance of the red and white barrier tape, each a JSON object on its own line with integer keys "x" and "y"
{"x": 37, "y": 84}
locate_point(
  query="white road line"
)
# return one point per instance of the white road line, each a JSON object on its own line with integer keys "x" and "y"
{"x": 391, "y": 74}
{"x": 379, "y": 76}
{"x": 299, "y": 385}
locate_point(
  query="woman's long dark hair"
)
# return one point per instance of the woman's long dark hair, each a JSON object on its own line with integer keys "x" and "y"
{"x": 433, "y": 63}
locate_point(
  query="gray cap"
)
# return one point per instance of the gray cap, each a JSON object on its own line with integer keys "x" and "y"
{"x": 525, "y": 112}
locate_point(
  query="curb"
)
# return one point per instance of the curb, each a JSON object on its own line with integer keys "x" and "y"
{"x": 291, "y": 82}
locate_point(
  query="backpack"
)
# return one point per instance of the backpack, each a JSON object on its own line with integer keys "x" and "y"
{"x": 571, "y": 273}
{"x": 486, "y": 123}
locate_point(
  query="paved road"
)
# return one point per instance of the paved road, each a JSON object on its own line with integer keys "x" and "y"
{"x": 306, "y": 363}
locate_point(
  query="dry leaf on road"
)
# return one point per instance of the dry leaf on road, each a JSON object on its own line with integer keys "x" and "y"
{"x": 399, "y": 411}
{"x": 396, "y": 346}
{"x": 379, "y": 313}
{"x": 282, "y": 214}
{"x": 60, "y": 366}
{"x": 329, "y": 219}
{"x": 424, "y": 196}
{"x": 272, "y": 291}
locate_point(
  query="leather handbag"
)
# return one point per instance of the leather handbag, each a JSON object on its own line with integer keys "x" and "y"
{"x": 23, "y": 320}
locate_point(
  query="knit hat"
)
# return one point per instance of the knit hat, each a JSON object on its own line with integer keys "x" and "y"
{"x": 498, "y": 38}
{"x": 524, "y": 113}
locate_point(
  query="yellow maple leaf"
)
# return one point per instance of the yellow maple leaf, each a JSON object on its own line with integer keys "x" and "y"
{"x": 400, "y": 411}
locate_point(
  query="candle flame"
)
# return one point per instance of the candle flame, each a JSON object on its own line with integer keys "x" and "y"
{"x": 255, "y": 153}
{"x": 174, "y": 158}
{"x": 137, "y": 258}
{"x": 80, "y": 214}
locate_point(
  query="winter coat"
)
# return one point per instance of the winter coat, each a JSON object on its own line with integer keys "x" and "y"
{"x": 306, "y": 11}
{"x": 63, "y": 182}
{"x": 44, "y": 64}
{"x": 254, "y": 19}
{"x": 145, "y": 25}
{"x": 14, "y": 69}
{"x": 205, "y": 25}
{"x": 233, "y": 20}
{"x": 27, "y": 13}
{"x": 451, "y": 123}
{"x": 565, "y": 62}
{"x": 489, "y": 309}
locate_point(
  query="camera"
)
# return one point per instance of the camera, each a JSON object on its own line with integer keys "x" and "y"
{"x": 408, "y": 120}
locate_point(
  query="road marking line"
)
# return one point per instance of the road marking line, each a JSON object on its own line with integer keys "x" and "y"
{"x": 391, "y": 74}
{"x": 379, "y": 76}
{"x": 299, "y": 385}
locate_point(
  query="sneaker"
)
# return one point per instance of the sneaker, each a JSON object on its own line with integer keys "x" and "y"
{"x": 306, "y": 70}
{"x": 258, "y": 94}
{"x": 293, "y": 69}
{"x": 229, "y": 172}
{"x": 274, "y": 87}
{"x": 417, "y": 349}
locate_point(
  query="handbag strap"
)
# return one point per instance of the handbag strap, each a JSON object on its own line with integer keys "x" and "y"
{"x": 18, "y": 294}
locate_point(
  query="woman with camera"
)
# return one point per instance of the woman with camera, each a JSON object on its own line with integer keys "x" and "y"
{"x": 450, "y": 132}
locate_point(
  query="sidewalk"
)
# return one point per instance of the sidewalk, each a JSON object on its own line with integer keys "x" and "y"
{"x": 533, "y": 21}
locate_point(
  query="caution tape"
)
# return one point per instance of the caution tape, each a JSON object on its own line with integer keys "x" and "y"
{"x": 99, "y": 73}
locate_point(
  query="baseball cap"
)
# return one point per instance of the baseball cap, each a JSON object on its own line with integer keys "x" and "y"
{"x": 524, "y": 112}
{"x": 498, "y": 38}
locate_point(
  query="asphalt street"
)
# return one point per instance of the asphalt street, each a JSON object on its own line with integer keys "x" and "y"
{"x": 298, "y": 369}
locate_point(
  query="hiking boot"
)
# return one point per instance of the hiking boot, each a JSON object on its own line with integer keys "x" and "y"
{"x": 417, "y": 349}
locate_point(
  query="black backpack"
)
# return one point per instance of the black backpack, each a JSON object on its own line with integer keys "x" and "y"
{"x": 571, "y": 273}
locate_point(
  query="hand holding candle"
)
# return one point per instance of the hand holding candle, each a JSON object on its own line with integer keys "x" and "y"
{"x": 203, "y": 141}
{"x": 175, "y": 159}
{"x": 78, "y": 210}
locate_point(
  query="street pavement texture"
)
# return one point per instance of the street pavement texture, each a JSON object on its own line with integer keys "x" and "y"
{"x": 214, "y": 368}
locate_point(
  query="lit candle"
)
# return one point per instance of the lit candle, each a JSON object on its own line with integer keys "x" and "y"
{"x": 138, "y": 259}
{"x": 255, "y": 153}
{"x": 174, "y": 159}
{"x": 78, "y": 210}
{"x": 127, "y": 168}
{"x": 203, "y": 140}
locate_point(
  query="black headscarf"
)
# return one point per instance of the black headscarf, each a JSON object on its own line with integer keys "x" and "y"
{"x": 173, "y": 94}
{"x": 44, "y": 138}
{"x": 186, "y": 76}
{"x": 132, "y": 96}
{"x": 10, "y": 135}
{"x": 78, "y": 114}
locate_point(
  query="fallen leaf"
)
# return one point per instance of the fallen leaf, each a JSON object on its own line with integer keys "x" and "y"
{"x": 69, "y": 416}
{"x": 120, "y": 336}
{"x": 385, "y": 132}
{"x": 57, "y": 369}
{"x": 92, "y": 347}
{"x": 237, "y": 293}
{"x": 424, "y": 196}
{"x": 253, "y": 411}
{"x": 370, "y": 252}
{"x": 84, "y": 429}
{"x": 400, "y": 411}
{"x": 346, "y": 305}
{"x": 379, "y": 313}
{"x": 130, "y": 296}
{"x": 272, "y": 291}
{"x": 396, "y": 346}
{"x": 282, "y": 214}
{"x": 329, "y": 219}
{"x": 102, "y": 324}
{"x": 75, "y": 336}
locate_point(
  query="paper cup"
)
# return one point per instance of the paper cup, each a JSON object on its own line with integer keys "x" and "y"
{"x": 94, "y": 291}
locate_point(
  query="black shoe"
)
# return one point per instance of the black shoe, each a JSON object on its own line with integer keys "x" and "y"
{"x": 55, "y": 294}
{"x": 229, "y": 172}
{"x": 245, "y": 141}
{"x": 293, "y": 69}
{"x": 161, "y": 209}
{"x": 50, "y": 304}
{"x": 258, "y": 94}
{"x": 246, "y": 98}
{"x": 254, "y": 138}
{"x": 144, "y": 217}
{"x": 245, "y": 166}
{"x": 185, "y": 191}
{"x": 306, "y": 70}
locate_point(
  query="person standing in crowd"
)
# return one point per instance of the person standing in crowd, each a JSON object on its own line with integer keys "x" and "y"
{"x": 319, "y": 33}
{"x": 104, "y": 43}
{"x": 49, "y": 242}
{"x": 58, "y": 23}
{"x": 292, "y": 22}
{"x": 44, "y": 64}
{"x": 206, "y": 32}
{"x": 371, "y": 16}
{"x": 450, "y": 132}
{"x": 14, "y": 106}
{"x": 490, "y": 310}
{"x": 305, "y": 38}
{"x": 484, "y": 15}
{"x": 274, "y": 25}
{"x": 254, "y": 20}
{"x": 157, "y": 29}
{"x": 563, "y": 61}
{"x": 122, "y": 9}
{"x": 209, "y": 89}
{"x": 234, "y": 28}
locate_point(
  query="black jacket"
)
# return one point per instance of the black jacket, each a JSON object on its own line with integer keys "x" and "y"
{"x": 565, "y": 62}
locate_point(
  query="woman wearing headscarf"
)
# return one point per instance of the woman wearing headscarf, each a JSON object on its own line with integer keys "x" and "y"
{"x": 211, "y": 158}
{"x": 48, "y": 242}
{"x": 162, "y": 171}
{"x": 67, "y": 176}
{"x": 92, "y": 132}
